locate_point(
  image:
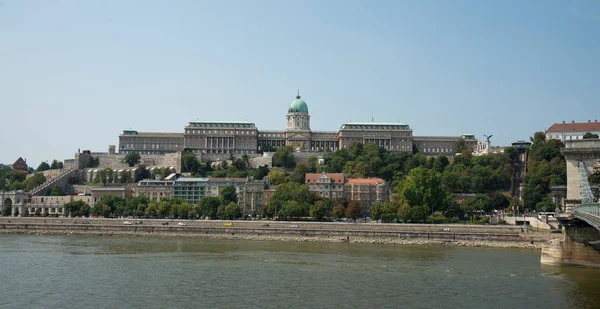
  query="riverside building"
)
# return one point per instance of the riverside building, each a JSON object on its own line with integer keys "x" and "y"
{"x": 212, "y": 139}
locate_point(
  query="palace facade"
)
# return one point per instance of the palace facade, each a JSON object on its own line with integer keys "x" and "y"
{"x": 243, "y": 137}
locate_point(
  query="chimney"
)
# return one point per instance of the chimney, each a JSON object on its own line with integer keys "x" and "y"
{"x": 589, "y": 121}
{"x": 563, "y": 122}
{"x": 572, "y": 121}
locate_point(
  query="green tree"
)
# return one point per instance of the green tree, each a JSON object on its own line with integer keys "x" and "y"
{"x": 7, "y": 210}
{"x": 107, "y": 206}
{"x": 594, "y": 179}
{"x": 278, "y": 177}
{"x": 546, "y": 205}
{"x": 190, "y": 163}
{"x": 404, "y": 213}
{"x": 423, "y": 188}
{"x": 440, "y": 162}
{"x": 419, "y": 213}
{"x": 228, "y": 194}
{"x": 210, "y": 206}
{"x": 141, "y": 173}
{"x": 299, "y": 172}
{"x": 151, "y": 210}
{"x": 56, "y": 191}
{"x": 132, "y": 159}
{"x": 77, "y": 209}
{"x": 261, "y": 172}
{"x": 164, "y": 208}
{"x": 43, "y": 167}
{"x": 284, "y": 157}
{"x": 232, "y": 211}
{"x": 290, "y": 191}
{"x": 590, "y": 135}
{"x": 461, "y": 145}
{"x": 55, "y": 164}
{"x": 320, "y": 210}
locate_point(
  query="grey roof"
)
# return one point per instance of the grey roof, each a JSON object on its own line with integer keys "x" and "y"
{"x": 222, "y": 124}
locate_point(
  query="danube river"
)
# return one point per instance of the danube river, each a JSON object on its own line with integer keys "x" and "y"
{"x": 105, "y": 272}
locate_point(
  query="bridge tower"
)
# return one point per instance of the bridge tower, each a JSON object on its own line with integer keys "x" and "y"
{"x": 587, "y": 152}
{"x": 580, "y": 242}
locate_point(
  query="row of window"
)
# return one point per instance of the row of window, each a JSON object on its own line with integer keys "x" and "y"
{"x": 220, "y": 132}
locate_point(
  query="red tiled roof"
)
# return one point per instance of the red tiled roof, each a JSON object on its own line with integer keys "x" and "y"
{"x": 336, "y": 177}
{"x": 365, "y": 181}
{"x": 575, "y": 127}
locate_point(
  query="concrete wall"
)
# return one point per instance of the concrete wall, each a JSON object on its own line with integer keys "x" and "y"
{"x": 576, "y": 248}
{"x": 115, "y": 161}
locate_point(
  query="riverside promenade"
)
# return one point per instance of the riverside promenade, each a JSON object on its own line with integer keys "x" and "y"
{"x": 409, "y": 234}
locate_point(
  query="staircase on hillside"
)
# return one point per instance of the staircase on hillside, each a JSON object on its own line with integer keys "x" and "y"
{"x": 52, "y": 181}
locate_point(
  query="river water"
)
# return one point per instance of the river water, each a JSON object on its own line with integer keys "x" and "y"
{"x": 105, "y": 272}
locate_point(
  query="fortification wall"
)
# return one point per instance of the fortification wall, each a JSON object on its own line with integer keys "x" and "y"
{"x": 115, "y": 161}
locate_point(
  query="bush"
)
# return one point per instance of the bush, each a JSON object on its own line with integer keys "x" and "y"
{"x": 437, "y": 219}
{"x": 482, "y": 220}
{"x": 502, "y": 222}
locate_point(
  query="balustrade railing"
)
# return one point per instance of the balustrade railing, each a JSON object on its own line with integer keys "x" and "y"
{"x": 592, "y": 209}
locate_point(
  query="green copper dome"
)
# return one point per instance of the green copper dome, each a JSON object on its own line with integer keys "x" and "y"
{"x": 298, "y": 106}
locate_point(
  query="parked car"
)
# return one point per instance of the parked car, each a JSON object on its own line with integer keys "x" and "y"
{"x": 228, "y": 224}
{"x": 181, "y": 224}
{"x": 294, "y": 225}
{"x": 139, "y": 222}
{"x": 127, "y": 223}
{"x": 266, "y": 225}
{"x": 164, "y": 223}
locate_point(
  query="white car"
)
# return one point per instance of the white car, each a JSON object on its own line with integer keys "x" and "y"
{"x": 127, "y": 223}
{"x": 181, "y": 223}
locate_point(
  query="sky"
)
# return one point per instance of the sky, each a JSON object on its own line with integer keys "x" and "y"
{"x": 74, "y": 74}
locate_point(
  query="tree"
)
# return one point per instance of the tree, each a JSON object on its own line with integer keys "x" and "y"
{"x": 594, "y": 179}
{"x": 232, "y": 211}
{"x": 107, "y": 206}
{"x": 419, "y": 213}
{"x": 339, "y": 211}
{"x": 590, "y": 135}
{"x": 461, "y": 145}
{"x": 7, "y": 210}
{"x": 228, "y": 194}
{"x": 284, "y": 157}
{"x": 141, "y": 173}
{"x": 353, "y": 210}
{"x": 277, "y": 177}
{"x": 290, "y": 191}
{"x": 210, "y": 206}
{"x": 320, "y": 210}
{"x": 77, "y": 209}
{"x": 299, "y": 172}
{"x": 43, "y": 167}
{"x": 151, "y": 210}
{"x": 404, "y": 213}
{"x": 132, "y": 159}
{"x": 546, "y": 205}
{"x": 261, "y": 172}
{"x": 440, "y": 162}
{"x": 56, "y": 191}
{"x": 423, "y": 188}
{"x": 54, "y": 165}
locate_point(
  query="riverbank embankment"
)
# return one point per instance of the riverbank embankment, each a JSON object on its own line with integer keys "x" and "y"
{"x": 380, "y": 233}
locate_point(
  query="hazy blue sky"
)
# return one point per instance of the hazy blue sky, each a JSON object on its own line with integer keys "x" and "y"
{"x": 74, "y": 74}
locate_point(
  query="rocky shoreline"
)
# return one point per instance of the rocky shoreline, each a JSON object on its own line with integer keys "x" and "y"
{"x": 527, "y": 242}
